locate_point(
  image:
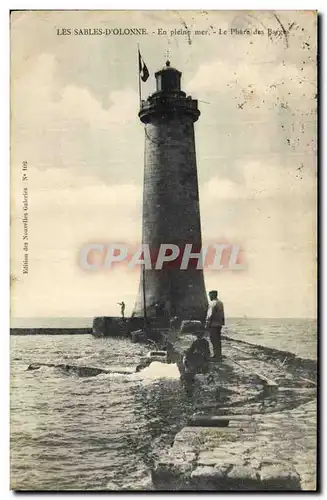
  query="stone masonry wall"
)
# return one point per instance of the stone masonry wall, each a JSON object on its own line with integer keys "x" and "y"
{"x": 171, "y": 213}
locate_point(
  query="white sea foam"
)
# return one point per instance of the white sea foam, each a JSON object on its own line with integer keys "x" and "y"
{"x": 159, "y": 370}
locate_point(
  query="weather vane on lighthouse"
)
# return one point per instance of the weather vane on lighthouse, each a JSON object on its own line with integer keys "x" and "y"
{"x": 167, "y": 56}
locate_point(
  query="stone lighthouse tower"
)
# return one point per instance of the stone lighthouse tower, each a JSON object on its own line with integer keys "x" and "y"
{"x": 171, "y": 213}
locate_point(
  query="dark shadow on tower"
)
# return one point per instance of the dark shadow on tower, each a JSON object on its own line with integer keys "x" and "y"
{"x": 171, "y": 213}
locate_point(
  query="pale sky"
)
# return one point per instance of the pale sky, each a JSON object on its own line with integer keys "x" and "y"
{"x": 74, "y": 105}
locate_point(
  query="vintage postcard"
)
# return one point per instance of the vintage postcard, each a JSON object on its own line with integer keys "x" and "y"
{"x": 163, "y": 250}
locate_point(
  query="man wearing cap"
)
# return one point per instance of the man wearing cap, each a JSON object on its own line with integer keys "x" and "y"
{"x": 214, "y": 322}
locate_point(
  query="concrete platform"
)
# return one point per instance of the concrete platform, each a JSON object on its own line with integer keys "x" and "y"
{"x": 254, "y": 427}
{"x": 250, "y": 454}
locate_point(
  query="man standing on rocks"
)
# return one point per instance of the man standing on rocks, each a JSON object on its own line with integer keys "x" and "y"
{"x": 214, "y": 322}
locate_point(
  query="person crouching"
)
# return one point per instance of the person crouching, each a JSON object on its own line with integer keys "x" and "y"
{"x": 196, "y": 358}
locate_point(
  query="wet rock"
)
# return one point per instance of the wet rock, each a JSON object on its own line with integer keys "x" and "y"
{"x": 225, "y": 478}
{"x": 244, "y": 472}
{"x": 189, "y": 437}
{"x": 80, "y": 371}
{"x": 208, "y": 459}
{"x": 198, "y": 420}
{"x": 207, "y": 478}
{"x": 173, "y": 473}
{"x": 219, "y": 458}
{"x": 33, "y": 366}
{"x": 279, "y": 476}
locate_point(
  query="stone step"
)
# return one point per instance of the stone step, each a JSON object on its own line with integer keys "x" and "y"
{"x": 222, "y": 459}
{"x": 203, "y": 420}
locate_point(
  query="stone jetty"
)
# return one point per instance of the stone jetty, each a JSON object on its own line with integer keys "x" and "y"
{"x": 266, "y": 441}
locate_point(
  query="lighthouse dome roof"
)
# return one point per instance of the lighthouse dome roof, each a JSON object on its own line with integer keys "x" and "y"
{"x": 168, "y": 79}
{"x": 168, "y": 67}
